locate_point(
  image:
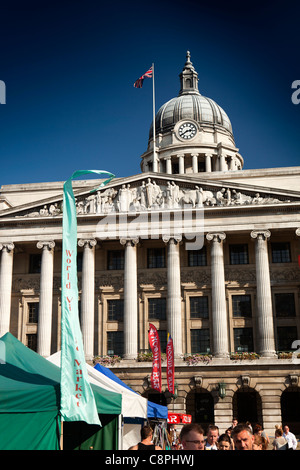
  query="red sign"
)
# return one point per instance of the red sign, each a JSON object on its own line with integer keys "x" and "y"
{"x": 177, "y": 418}
{"x": 170, "y": 365}
{"x": 156, "y": 364}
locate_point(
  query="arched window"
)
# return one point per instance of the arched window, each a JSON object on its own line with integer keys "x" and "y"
{"x": 290, "y": 408}
{"x": 200, "y": 404}
{"x": 247, "y": 405}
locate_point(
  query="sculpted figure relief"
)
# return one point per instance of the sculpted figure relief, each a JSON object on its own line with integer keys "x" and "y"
{"x": 149, "y": 195}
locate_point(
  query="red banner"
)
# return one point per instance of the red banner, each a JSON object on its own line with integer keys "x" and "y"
{"x": 178, "y": 418}
{"x": 156, "y": 364}
{"x": 170, "y": 365}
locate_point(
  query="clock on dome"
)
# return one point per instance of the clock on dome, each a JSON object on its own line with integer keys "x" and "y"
{"x": 187, "y": 130}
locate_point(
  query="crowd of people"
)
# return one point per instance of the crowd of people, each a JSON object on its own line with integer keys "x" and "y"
{"x": 237, "y": 437}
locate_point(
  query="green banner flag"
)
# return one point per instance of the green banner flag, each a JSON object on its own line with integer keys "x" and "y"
{"x": 77, "y": 398}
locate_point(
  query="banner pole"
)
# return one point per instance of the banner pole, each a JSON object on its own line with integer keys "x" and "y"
{"x": 154, "y": 167}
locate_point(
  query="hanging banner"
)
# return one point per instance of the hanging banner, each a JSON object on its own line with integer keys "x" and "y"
{"x": 156, "y": 364}
{"x": 170, "y": 365}
{"x": 77, "y": 398}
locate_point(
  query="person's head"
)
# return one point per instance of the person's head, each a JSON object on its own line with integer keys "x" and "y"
{"x": 192, "y": 437}
{"x": 243, "y": 437}
{"x": 286, "y": 429}
{"x": 224, "y": 442}
{"x": 146, "y": 432}
{"x": 234, "y": 422}
{"x": 212, "y": 435}
{"x": 259, "y": 442}
{"x": 278, "y": 432}
{"x": 257, "y": 429}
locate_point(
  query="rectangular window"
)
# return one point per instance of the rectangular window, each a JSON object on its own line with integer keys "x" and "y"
{"x": 156, "y": 258}
{"x": 33, "y": 312}
{"x": 241, "y": 306}
{"x": 281, "y": 252}
{"x": 200, "y": 343}
{"x": 35, "y": 261}
{"x": 157, "y": 309}
{"x": 115, "y": 310}
{"x": 286, "y": 335}
{"x": 197, "y": 257}
{"x": 115, "y": 343}
{"x": 243, "y": 339}
{"x": 239, "y": 254}
{"x": 285, "y": 305}
{"x": 31, "y": 342}
{"x": 199, "y": 307}
{"x": 115, "y": 259}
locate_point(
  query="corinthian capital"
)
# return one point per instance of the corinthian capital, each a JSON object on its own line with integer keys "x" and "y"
{"x": 216, "y": 236}
{"x": 46, "y": 244}
{"x": 89, "y": 242}
{"x": 9, "y": 246}
{"x": 261, "y": 234}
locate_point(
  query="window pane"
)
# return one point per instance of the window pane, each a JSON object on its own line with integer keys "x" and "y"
{"x": 156, "y": 258}
{"x": 241, "y": 306}
{"x": 200, "y": 341}
{"x": 281, "y": 253}
{"x": 199, "y": 307}
{"x": 115, "y": 343}
{"x": 31, "y": 341}
{"x": 33, "y": 312}
{"x": 115, "y": 310}
{"x": 157, "y": 309}
{"x": 243, "y": 339}
{"x": 35, "y": 263}
{"x": 285, "y": 305}
{"x": 239, "y": 254}
{"x": 286, "y": 335}
{"x": 115, "y": 259}
{"x": 197, "y": 257}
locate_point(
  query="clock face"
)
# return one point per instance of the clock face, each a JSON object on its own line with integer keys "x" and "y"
{"x": 187, "y": 130}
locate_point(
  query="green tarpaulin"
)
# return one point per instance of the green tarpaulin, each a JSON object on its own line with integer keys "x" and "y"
{"x": 30, "y": 403}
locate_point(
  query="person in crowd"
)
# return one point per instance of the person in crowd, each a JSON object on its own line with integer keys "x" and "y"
{"x": 234, "y": 423}
{"x": 279, "y": 440}
{"x": 290, "y": 437}
{"x": 212, "y": 438}
{"x": 192, "y": 437}
{"x": 242, "y": 437}
{"x": 146, "y": 440}
{"x": 258, "y": 429}
{"x": 229, "y": 433}
{"x": 224, "y": 442}
{"x": 259, "y": 443}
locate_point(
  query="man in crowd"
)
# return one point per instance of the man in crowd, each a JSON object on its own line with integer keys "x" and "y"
{"x": 192, "y": 437}
{"x": 212, "y": 438}
{"x": 242, "y": 437}
{"x": 290, "y": 437}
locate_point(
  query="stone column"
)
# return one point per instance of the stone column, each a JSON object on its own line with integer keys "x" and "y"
{"x": 88, "y": 296}
{"x": 219, "y": 312}
{"x": 174, "y": 293}
{"x": 181, "y": 163}
{"x": 266, "y": 341}
{"x": 168, "y": 165}
{"x": 6, "y": 271}
{"x": 195, "y": 162}
{"x": 46, "y": 299}
{"x": 130, "y": 323}
{"x": 208, "y": 158}
{"x": 223, "y": 166}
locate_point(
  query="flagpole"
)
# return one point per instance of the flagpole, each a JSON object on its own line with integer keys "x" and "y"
{"x": 154, "y": 166}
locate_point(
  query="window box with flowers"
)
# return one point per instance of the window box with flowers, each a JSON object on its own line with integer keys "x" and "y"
{"x": 196, "y": 359}
{"x": 244, "y": 356}
{"x": 107, "y": 361}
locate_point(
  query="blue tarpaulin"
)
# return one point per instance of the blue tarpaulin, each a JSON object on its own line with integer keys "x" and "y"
{"x": 153, "y": 409}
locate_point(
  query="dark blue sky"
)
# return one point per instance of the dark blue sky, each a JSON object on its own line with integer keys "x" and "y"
{"x": 69, "y": 68}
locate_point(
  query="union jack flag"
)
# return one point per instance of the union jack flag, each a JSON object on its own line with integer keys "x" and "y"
{"x": 139, "y": 82}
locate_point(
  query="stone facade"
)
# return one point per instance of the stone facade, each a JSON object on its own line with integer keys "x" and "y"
{"x": 209, "y": 256}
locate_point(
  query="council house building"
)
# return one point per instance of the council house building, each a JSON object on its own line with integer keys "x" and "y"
{"x": 195, "y": 245}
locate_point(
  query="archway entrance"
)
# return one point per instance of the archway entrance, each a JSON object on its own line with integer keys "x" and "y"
{"x": 200, "y": 404}
{"x": 247, "y": 406}
{"x": 290, "y": 409}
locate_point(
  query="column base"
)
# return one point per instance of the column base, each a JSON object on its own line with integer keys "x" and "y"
{"x": 268, "y": 354}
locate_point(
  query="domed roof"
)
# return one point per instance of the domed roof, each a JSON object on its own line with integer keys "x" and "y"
{"x": 190, "y": 104}
{"x": 193, "y": 106}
